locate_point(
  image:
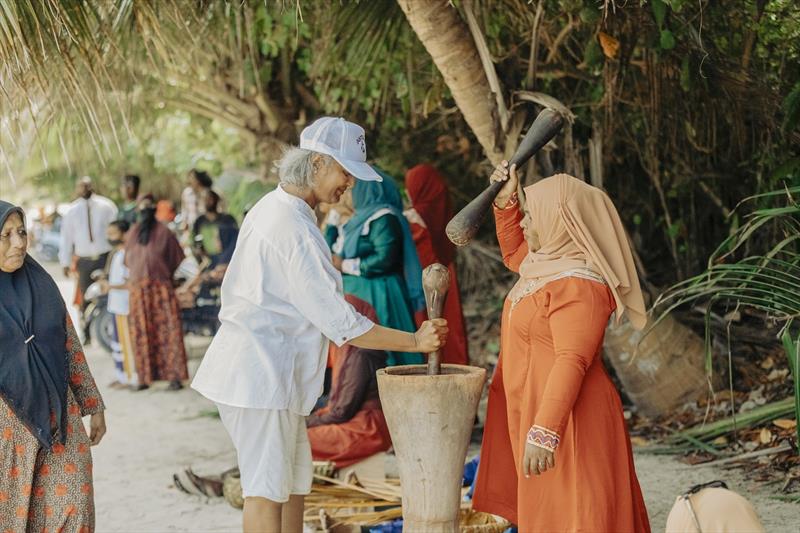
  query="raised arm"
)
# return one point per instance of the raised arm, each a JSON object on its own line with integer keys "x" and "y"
{"x": 508, "y": 215}
{"x": 510, "y": 235}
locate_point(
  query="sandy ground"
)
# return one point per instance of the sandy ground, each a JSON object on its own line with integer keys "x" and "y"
{"x": 154, "y": 433}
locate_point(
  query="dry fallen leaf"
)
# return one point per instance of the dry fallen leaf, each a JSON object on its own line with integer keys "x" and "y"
{"x": 639, "y": 441}
{"x": 785, "y": 423}
{"x": 765, "y": 436}
{"x": 609, "y": 44}
{"x": 768, "y": 363}
{"x": 720, "y": 441}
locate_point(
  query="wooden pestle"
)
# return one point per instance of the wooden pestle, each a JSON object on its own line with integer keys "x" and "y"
{"x": 435, "y": 282}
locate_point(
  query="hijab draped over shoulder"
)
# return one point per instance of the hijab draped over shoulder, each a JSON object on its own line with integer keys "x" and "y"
{"x": 33, "y": 347}
{"x": 579, "y": 228}
{"x": 370, "y": 197}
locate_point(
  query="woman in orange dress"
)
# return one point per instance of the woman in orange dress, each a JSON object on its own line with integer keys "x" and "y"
{"x": 429, "y": 214}
{"x": 556, "y": 454}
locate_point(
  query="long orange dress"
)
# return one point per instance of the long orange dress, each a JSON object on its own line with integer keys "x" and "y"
{"x": 550, "y": 374}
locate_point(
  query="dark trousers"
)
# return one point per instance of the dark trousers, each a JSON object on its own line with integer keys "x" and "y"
{"x": 85, "y": 266}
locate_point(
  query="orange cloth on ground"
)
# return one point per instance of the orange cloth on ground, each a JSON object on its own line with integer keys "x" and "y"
{"x": 551, "y": 374}
{"x": 360, "y": 437}
{"x": 428, "y": 218}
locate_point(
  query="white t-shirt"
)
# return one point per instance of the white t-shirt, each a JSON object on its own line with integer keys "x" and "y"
{"x": 118, "y": 275}
{"x": 281, "y": 302}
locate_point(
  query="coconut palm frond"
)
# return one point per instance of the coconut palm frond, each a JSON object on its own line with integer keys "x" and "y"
{"x": 768, "y": 281}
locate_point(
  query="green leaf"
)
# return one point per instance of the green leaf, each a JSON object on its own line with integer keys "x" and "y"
{"x": 787, "y": 169}
{"x": 659, "y": 12}
{"x": 674, "y": 229}
{"x": 589, "y": 15}
{"x": 792, "y": 347}
{"x": 593, "y": 54}
{"x": 676, "y": 5}
{"x": 791, "y": 109}
{"x": 667, "y": 41}
{"x": 686, "y": 79}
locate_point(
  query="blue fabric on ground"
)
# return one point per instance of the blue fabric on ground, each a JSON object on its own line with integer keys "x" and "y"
{"x": 470, "y": 475}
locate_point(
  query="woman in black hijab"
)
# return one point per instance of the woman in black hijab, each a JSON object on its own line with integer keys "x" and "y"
{"x": 45, "y": 390}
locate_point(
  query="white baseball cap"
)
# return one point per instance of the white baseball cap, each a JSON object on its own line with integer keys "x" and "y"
{"x": 343, "y": 141}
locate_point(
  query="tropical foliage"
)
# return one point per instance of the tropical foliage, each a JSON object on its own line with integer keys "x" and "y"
{"x": 739, "y": 275}
{"x": 678, "y": 108}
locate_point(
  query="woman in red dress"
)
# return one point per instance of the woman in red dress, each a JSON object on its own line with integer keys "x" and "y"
{"x": 152, "y": 255}
{"x": 556, "y": 454}
{"x": 429, "y": 214}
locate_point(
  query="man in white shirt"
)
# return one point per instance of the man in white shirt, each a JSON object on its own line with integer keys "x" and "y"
{"x": 83, "y": 233}
{"x": 281, "y": 302}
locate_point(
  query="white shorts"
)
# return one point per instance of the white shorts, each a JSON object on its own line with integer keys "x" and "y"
{"x": 273, "y": 451}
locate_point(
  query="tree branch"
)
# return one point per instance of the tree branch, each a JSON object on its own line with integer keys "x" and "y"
{"x": 488, "y": 64}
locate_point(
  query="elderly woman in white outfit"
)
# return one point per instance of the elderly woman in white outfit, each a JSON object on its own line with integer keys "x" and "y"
{"x": 281, "y": 302}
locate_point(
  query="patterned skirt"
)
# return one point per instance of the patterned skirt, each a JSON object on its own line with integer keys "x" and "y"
{"x": 156, "y": 332}
{"x": 45, "y": 490}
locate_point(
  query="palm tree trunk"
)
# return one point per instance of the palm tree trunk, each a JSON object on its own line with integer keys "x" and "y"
{"x": 450, "y": 45}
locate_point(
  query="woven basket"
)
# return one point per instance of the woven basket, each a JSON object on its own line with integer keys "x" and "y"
{"x": 232, "y": 488}
{"x": 232, "y": 483}
{"x": 324, "y": 468}
{"x": 475, "y": 522}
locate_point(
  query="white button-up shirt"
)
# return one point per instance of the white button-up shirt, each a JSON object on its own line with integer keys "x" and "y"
{"x": 281, "y": 302}
{"x": 75, "y": 235}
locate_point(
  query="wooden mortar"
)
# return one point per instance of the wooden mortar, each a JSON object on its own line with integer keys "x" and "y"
{"x": 430, "y": 419}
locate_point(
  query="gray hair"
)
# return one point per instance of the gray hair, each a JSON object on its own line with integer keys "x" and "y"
{"x": 296, "y": 166}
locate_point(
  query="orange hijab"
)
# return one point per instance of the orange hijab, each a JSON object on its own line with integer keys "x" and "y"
{"x": 579, "y": 228}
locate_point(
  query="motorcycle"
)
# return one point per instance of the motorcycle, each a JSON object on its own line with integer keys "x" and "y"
{"x": 98, "y": 321}
{"x": 200, "y": 298}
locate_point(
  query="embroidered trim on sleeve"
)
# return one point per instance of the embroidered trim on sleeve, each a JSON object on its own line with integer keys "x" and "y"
{"x": 543, "y": 438}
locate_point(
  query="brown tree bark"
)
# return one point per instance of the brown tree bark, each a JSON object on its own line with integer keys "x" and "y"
{"x": 450, "y": 45}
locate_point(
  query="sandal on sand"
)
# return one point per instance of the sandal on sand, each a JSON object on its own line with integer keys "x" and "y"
{"x": 190, "y": 483}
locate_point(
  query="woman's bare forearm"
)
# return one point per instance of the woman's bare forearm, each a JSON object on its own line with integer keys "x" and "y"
{"x": 390, "y": 340}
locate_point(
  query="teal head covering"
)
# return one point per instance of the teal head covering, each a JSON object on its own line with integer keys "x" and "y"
{"x": 368, "y": 198}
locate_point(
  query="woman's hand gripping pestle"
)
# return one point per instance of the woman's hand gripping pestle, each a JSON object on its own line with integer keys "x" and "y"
{"x": 435, "y": 282}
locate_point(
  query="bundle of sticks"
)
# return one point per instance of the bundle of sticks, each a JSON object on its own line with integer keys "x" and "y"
{"x": 354, "y": 502}
{"x": 335, "y": 505}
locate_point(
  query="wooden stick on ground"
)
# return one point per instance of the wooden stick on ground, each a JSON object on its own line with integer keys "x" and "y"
{"x": 374, "y": 493}
{"x": 785, "y": 447}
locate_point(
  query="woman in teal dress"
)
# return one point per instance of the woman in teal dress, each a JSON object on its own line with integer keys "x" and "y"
{"x": 378, "y": 259}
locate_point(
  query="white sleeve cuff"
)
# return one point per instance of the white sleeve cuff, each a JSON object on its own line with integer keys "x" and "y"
{"x": 363, "y": 325}
{"x": 352, "y": 266}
